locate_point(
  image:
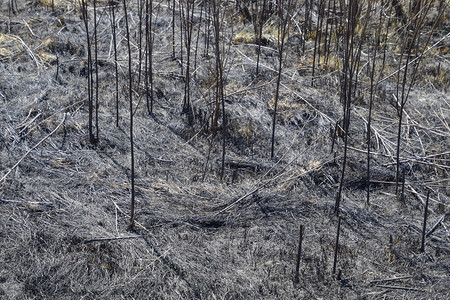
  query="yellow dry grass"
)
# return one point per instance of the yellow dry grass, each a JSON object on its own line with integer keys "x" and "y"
{"x": 245, "y": 37}
{"x": 65, "y": 3}
{"x": 9, "y": 45}
{"x": 47, "y": 57}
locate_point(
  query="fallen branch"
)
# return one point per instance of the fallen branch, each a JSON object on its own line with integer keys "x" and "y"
{"x": 393, "y": 287}
{"x": 435, "y": 226}
{"x": 391, "y": 279}
{"x": 32, "y": 148}
{"x": 112, "y": 239}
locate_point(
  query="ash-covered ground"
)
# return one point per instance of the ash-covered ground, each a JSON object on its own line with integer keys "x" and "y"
{"x": 65, "y": 203}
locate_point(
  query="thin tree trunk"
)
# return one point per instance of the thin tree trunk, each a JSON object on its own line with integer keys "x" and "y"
{"x": 130, "y": 92}
{"x": 113, "y": 25}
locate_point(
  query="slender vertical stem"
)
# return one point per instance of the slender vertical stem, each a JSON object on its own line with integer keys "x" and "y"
{"x": 402, "y": 195}
{"x": 198, "y": 38}
{"x": 336, "y": 246}
{"x": 425, "y": 215}
{"x": 283, "y": 15}
{"x": 274, "y": 116}
{"x": 140, "y": 13}
{"x": 315, "y": 50}
{"x": 96, "y": 70}
{"x": 372, "y": 88}
{"x": 319, "y": 30}
{"x": 207, "y": 30}
{"x": 10, "y": 11}
{"x": 346, "y": 91}
{"x": 219, "y": 80}
{"x": 415, "y": 25}
{"x": 130, "y": 92}
{"x": 57, "y": 68}
{"x": 224, "y": 131}
{"x": 326, "y": 38}
{"x": 333, "y": 136}
{"x": 187, "y": 19}
{"x": 352, "y": 55}
{"x": 149, "y": 55}
{"x": 146, "y": 57}
{"x": 173, "y": 29}
{"x": 113, "y": 5}
{"x": 259, "y": 27}
{"x": 299, "y": 253}
{"x": 305, "y": 24}
{"x": 84, "y": 13}
{"x": 181, "y": 36}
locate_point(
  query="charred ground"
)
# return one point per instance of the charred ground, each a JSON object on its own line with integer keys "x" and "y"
{"x": 64, "y": 209}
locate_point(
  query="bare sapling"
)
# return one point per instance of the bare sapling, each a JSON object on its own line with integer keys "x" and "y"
{"x": 373, "y": 88}
{"x": 207, "y": 29}
{"x": 220, "y": 99}
{"x": 299, "y": 253}
{"x": 181, "y": 8}
{"x": 96, "y": 71}
{"x": 11, "y": 11}
{"x": 173, "y": 29}
{"x": 188, "y": 25}
{"x": 317, "y": 39}
{"x": 149, "y": 38}
{"x": 112, "y": 6}
{"x": 407, "y": 69}
{"x": 328, "y": 24}
{"x": 258, "y": 19}
{"x": 352, "y": 53}
{"x": 336, "y": 245}
{"x": 85, "y": 17}
{"x": 424, "y": 228}
{"x": 199, "y": 28}
{"x": 130, "y": 95}
{"x": 307, "y": 21}
{"x": 284, "y": 8}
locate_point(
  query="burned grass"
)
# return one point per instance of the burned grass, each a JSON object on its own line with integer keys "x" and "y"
{"x": 65, "y": 201}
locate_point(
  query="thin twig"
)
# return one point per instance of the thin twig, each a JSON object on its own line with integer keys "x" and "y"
{"x": 105, "y": 239}
{"x": 29, "y": 28}
{"x": 432, "y": 229}
{"x": 391, "y": 279}
{"x": 28, "y": 50}
{"x": 399, "y": 288}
